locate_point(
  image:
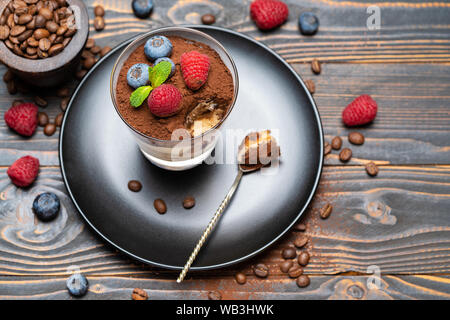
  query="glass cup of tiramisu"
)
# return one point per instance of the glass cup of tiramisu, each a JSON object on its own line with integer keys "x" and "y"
{"x": 174, "y": 87}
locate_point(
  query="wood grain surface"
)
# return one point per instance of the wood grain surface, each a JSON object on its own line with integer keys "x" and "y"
{"x": 397, "y": 223}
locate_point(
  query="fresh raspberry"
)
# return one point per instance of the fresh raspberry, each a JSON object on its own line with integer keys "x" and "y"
{"x": 268, "y": 14}
{"x": 195, "y": 68}
{"x": 22, "y": 118}
{"x": 360, "y": 111}
{"x": 165, "y": 100}
{"x": 24, "y": 171}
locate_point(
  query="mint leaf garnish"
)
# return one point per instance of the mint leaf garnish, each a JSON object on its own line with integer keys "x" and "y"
{"x": 139, "y": 95}
{"x": 160, "y": 73}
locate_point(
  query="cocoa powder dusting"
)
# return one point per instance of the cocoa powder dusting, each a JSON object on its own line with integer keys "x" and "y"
{"x": 219, "y": 87}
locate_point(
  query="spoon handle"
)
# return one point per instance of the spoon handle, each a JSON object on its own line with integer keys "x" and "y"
{"x": 210, "y": 226}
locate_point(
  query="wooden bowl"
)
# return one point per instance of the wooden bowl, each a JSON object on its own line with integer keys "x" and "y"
{"x": 55, "y": 70}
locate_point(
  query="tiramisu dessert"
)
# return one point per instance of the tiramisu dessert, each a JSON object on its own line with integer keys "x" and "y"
{"x": 172, "y": 83}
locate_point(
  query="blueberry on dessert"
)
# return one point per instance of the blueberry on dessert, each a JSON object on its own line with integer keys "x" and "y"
{"x": 137, "y": 75}
{"x": 157, "y": 47}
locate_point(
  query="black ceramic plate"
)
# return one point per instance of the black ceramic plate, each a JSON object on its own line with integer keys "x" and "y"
{"x": 99, "y": 156}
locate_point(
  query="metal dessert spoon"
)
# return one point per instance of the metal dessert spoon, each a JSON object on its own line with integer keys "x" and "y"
{"x": 242, "y": 169}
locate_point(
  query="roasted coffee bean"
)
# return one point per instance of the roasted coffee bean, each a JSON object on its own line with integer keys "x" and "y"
{"x": 51, "y": 26}
{"x": 326, "y": 210}
{"x": 315, "y": 66}
{"x": 44, "y": 44}
{"x": 89, "y": 43}
{"x": 286, "y": 265}
{"x": 17, "y": 50}
{"x": 336, "y": 143}
{"x": 356, "y": 138}
{"x": 17, "y": 102}
{"x": 9, "y": 44}
{"x": 208, "y": 19}
{"x": 372, "y": 169}
{"x": 295, "y": 271}
{"x": 58, "y": 39}
{"x": 289, "y": 253}
{"x": 25, "y": 18}
{"x": 41, "y": 33}
{"x": 310, "y": 85}
{"x": 300, "y": 227}
{"x": 32, "y": 42}
{"x": 327, "y": 148}
{"x": 300, "y": 241}
{"x": 303, "y": 281}
{"x": 8, "y": 76}
{"x": 99, "y": 11}
{"x": 214, "y": 295}
{"x": 61, "y": 30}
{"x": 134, "y": 185}
{"x": 11, "y": 87}
{"x": 303, "y": 258}
{"x": 17, "y": 30}
{"x": 96, "y": 50}
{"x": 42, "y": 54}
{"x": 40, "y": 21}
{"x": 46, "y": 13}
{"x": 189, "y": 202}
{"x": 88, "y": 63}
{"x": 66, "y": 41}
{"x": 55, "y": 49}
{"x": 64, "y": 103}
{"x": 345, "y": 155}
{"x": 70, "y": 32}
{"x": 63, "y": 92}
{"x": 160, "y": 206}
{"x": 41, "y": 102}
{"x": 86, "y": 54}
{"x": 32, "y": 24}
{"x": 99, "y": 23}
{"x": 139, "y": 294}
{"x": 59, "y": 119}
{"x": 261, "y": 270}
{"x": 80, "y": 74}
{"x": 42, "y": 119}
{"x": 31, "y": 51}
{"x": 240, "y": 278}
{"x": 49, "y": 129}
{"x": 24, "y": 36}
{"x": 105, "y": 51}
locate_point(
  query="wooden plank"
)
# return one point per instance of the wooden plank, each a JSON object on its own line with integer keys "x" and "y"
{"x": 321, "y": 287}
{"x": 397, "y": 222}
{"x": 412, "y": 126}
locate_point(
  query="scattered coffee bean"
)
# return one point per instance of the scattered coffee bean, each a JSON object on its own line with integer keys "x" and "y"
{"x": 49, "y": 129}
{"x": 96, "y": 50}
{"x": 8, "y": 76}
{"x": 300, "y": 227}
{"x": 261, "y": 270}
{"x": 214, "y": 295}
{"x": 286, "y": 265}
{"x": 88, "y": 63}
{"x": 99, "y": 11}
{"x": 327, "y": 148}
{"x": 80, "y": 74}
{"x": 295, "y": 271}
{"x": 345, "y": 155}
{"x": 310, "y": 85}
{"x": 89, "y": 43}
{"x": 189, "y": 202}
{"x": 326, "y": 211}
{"x": 134, "y": 185}
{"x": 208, "y": 19}
{"x": 59, "y": 119}
{"x": 42, "y": 119}
{"x": 160, "y": 206}
{"x": 105, "y": 51}
{"x": 99, "y": 23}
{"x": 85, "y": 54}
{"x": 41, "y": 102}
{"x": 356, "y": 138}
{"x": 63, "y": 92}
{"x": 289, "y": 253}
{"x": 240, "y": 278}
{"x": 139, "y": 294}
{"x": 336, "y": 143}
{"x": 303, "y": 258}
{"x": 372, "y": 169}
{"x": 303, "y": 281}
{"x": 17, "y": 102}
{"x": 300, "y": 241}
{"x": 315, "y": 66}
{"x": 64, "y": 103}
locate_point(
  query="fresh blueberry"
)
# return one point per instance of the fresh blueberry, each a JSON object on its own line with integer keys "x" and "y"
{"x": 142, "y": 8}
{"x": 46, "y": 206}
{"x": 77, "y": 285}
{"x": 308, "y": 23}
{"x": 157, "y": 47}
{"x": 172, "y": 71}
{"x": 137, "y": 75}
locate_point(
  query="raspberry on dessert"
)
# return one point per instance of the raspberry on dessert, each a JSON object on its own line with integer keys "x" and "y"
{"x": 172, "y": 71}
{"x": 360, "y": 111}
{"x": 157, "y": 47}
{"x": 24, "y": 171}
{"x": 165, "y": 100}
{"x": 22, "y": 118}
{"x": 268, "y": 14}
{"x": 195, "y": 69}
{"x": 137, "y": 75}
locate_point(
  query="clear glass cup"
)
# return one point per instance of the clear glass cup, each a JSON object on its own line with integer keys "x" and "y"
{"x": 188, "y": 152}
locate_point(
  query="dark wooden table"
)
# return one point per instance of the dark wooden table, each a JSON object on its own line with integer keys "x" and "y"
{"x": 398, "y": 222}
